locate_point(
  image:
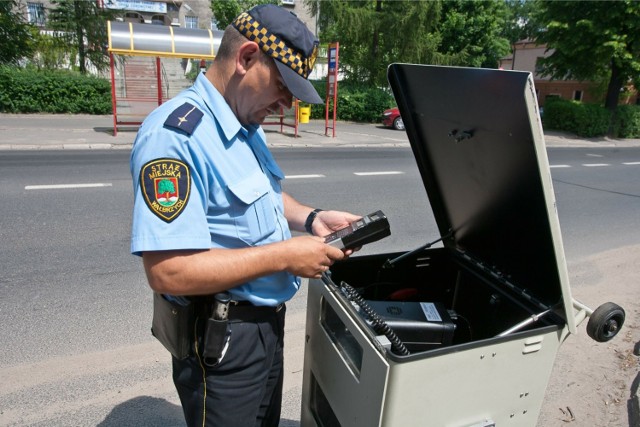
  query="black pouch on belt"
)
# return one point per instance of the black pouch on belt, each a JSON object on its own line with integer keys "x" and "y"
{"x": 173, "y": 325}
{"x": 216, "y": 340}
{"x": 216, "y": 330}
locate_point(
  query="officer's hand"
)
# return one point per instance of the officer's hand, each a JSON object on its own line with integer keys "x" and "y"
{"x": 327, "y": 222}
{"x": 309, "y": 256}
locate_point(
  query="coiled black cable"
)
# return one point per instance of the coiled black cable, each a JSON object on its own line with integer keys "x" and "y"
{"x": 378, "y": 325}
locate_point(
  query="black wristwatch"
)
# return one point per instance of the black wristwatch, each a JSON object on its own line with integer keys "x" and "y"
{"x": 310, "y": 218}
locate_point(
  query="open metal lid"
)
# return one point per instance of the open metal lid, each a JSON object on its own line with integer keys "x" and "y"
{"x": 477, "y": 138}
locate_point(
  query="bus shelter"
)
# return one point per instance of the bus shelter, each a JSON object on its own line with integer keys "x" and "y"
{"x": 150, "y": 64}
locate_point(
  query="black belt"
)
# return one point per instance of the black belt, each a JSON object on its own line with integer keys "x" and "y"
{"x": 238, "y": 310}
{"x": 244, "y": 310}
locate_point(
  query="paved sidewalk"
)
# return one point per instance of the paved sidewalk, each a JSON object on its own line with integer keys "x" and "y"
{"x": 82, "y": 132}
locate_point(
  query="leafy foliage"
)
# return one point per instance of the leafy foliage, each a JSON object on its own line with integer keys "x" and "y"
{"x": 375, "y": 33}
{"x": 82, "y": 25}
{"x": 370, "y": 35}
{"x": 586, "y": 120}
{"x": 225, "y": 11}
{"x": 54, "y": 91}
{"x": 519, "y": 25}
{"x": 627, "y": 121}
{"x": 16, "y": 35}
{"x": 357, "y": 102}
{"x": 52, "y": 52}
{"x": 474, "y": 28}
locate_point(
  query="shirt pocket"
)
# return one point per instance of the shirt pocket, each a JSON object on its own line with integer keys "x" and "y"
{"x": 254, "y": 213}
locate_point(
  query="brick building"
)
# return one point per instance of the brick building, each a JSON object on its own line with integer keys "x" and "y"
{"x": 526, "y": 54}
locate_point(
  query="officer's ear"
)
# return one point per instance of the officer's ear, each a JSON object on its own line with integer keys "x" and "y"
{"x": 249, "y": 54}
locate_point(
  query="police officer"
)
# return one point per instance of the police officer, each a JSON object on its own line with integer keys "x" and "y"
{"x": 210, "y": 216}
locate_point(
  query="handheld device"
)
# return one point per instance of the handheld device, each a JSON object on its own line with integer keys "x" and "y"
{"x": 367, "y": 229}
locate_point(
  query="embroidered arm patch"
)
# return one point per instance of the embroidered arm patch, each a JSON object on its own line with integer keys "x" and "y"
{"x": 185, "y": 118}
{"x": 165, "y": 186}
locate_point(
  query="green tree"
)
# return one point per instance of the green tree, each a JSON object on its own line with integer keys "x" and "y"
{"x": 518, "y": 24}
{"x": 166, "y": 187}
{"x": 475, "y": 29}
{"x": 16, "y": 35}
{"x": 375, "y": 33}
{"x": 225, "y": 11}
{"x": 372, "y": 34}
{"x": 592, "y": 40}
{"x": 82, "y": 25}
{"x": 51, "y": 52}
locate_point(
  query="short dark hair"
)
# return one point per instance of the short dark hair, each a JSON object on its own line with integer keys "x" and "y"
{"x": 231, "y": 41}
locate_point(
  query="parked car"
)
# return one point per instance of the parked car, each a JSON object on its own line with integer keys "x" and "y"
{"x": 391, "y": 118}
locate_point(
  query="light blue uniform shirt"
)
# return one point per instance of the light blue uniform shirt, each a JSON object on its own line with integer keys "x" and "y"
{"x": 218, "y": 187}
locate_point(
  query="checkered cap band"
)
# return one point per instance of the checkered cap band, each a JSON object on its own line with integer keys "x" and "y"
{"x": 273, "y": 46}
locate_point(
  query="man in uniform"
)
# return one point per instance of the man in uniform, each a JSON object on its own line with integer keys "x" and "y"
{"x": 210, "y": 219}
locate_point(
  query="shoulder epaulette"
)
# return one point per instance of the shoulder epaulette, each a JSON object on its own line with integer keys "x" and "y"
{"x": 184, "y": 118}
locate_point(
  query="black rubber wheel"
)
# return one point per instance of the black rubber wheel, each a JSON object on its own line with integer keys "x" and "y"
{"x": 398, "y": 124}
{"x": 605, "y": 322}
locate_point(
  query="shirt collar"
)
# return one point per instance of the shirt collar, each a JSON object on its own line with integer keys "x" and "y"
{"x": 230, "y": 126}
{"x": 258, "y": 142}
{"x": 218, "y": 106}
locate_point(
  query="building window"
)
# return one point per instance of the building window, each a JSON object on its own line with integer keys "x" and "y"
{"x": 577, "y": 95}
{"x": 214, "y": 26}
{"x": 191, "y": 22}
{"x": 35, "y": 14}
{"x": 134, "y": 17}
{"x": 158, "y": 19}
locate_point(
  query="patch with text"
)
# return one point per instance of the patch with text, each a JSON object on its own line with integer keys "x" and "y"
{"x": 165, "y": 185}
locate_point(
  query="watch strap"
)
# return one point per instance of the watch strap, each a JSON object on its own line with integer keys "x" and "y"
{"x": 310, "y": 219}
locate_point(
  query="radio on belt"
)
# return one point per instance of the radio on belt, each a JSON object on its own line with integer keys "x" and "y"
{"x": 367, "y": 229}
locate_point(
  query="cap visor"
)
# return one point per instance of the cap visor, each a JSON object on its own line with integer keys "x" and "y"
{"x": 299, "y": 87}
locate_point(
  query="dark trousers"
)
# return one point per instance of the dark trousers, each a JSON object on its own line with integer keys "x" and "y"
{"x": 245, "y": 388}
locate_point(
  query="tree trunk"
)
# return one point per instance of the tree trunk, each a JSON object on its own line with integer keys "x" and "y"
{"x": 375, "y": 47}
{"x": 613, "y": 90}
{"x": 613, "y": 94}
{"x": 80, "y": 36}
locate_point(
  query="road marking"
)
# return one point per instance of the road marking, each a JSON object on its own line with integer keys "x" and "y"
{"x": 378, "y": 173}
{"x": 595, "y": 165}
{"x": 631, "y": 163}
{"x": 594, "y": 155}
{"x": 559, "y": 166}
{"x": 65, "y": 186}
{"x": 303, "y": 176}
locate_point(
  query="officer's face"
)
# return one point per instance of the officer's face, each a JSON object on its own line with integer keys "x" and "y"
{"x": 266, "y": 92}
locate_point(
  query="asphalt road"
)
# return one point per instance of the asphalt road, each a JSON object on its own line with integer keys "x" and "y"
{"x": 75, "y": 309}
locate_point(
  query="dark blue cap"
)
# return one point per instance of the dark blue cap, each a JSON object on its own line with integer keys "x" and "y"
{"x": 284, "y": 37}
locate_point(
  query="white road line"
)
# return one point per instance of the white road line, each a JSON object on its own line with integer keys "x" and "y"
{"x": 378, "y": 173}
{"x": 303, "y": 176}
{"x": 65, "y": 186}
{"x": 594, "y": 155}
{"x": 631, "y": 163}
{"x": 595, "y": 165}
{"x": 559, "y": 166}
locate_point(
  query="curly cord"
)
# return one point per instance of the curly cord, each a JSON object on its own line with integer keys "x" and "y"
{"x": 379, "y": 325}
